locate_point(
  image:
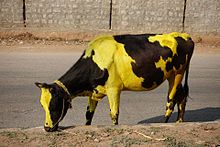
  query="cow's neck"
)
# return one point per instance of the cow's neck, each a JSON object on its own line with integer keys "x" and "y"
{"x": 76, "y": 79}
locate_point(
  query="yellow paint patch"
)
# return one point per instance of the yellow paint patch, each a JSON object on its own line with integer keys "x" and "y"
{"x": 162, "y": 65}
{"x": 92, "y": 105}
{"x": 98, "y": 93}
{"x": 168, "y": 112}
{"x": 100, "y": 89}
{"x": 45, "y": 102}
{"x": 168, "y": 40}
{"x": 111, "y": 55}
{"x": 185, "y": 36}
{"x": 104, "y": 49}
{"x": 180, "y": 120}
{"x": 124, "y": 68}
{"x": 178, "y": 79}
{"x": 180, "y": 107}
{"x": 114, "y": 101}
{"x": 168, "y": 105}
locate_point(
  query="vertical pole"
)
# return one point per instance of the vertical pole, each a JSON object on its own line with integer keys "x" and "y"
{"x": 24, "y": 13}
{"x": 110, "y": 16}
{"x": 184, "y": 13}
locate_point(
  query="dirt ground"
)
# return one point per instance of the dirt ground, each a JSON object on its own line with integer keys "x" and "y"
{"x": 184, "y": 134}
{"x": 68, "y": 42}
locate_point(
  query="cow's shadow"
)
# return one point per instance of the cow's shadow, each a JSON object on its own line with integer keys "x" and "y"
{"x": 65, "y": 127}
{"x": 199, "y": 115}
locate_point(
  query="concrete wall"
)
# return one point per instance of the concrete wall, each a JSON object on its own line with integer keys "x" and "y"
{"x": 80, "y": 14}
{"x": 203, "y": 16}
{"x": 148, "y": 15}
{"x": 11, "y": 13}
{"x": 152, "y": 16}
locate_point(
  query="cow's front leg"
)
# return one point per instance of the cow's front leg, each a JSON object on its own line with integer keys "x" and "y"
{"x": 169, "y": 108}
{"x": 114, "y": 101}
{"x": 90, "y": 110}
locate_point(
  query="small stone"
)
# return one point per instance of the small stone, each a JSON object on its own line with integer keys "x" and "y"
{"x": 96, "y": 140}
{"x": 89, "y": 136}
{"x": 105, "y": 135}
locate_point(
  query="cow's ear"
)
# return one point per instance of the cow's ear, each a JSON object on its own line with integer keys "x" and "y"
{"x": 40, "y": 85}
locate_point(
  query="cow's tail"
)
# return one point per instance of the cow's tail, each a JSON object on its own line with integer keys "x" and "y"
{"x": 190, "y": 52}
{"x": 186, "y": 86}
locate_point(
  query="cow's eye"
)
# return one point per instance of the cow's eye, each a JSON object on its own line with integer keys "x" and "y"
{"x": 52, "y": 90}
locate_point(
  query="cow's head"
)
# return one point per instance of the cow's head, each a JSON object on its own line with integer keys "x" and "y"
{"x": 55, "y": 102}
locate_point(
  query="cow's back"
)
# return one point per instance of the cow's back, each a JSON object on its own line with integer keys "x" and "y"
{"x": 139, "y": 62}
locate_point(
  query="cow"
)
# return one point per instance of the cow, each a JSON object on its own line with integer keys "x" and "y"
{"x": 113, "y": 63}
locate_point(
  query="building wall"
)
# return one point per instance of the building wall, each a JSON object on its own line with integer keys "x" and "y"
{"x": 11, "y": 13}
{"x": 149, "y": 16}
{"x": 80, "y": 14}
{"x": 203, "y": 16}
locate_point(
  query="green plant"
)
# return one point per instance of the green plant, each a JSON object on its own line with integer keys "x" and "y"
{"x": 126, "y": 141}
{"x": 9, "y": 134}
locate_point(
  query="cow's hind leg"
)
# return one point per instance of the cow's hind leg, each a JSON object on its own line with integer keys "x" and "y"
{"x": 174, "y": 82}
{"x": 90, "y": 110}
{"x": 114, "y": 100}
{"x": 181, "y": 98}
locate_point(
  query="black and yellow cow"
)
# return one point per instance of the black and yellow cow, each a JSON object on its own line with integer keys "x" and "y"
{"x": 111, "y": 64}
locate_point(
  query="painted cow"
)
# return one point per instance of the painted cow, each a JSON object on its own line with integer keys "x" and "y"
{"x": 111, "y": 64}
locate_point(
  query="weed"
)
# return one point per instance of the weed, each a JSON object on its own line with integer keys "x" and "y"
{"x": 204, "y": 145}
{"x": 218, "y": 139}
{"x": 126, "y": 141}
{"x": 23, "y": 136}
{"x": 52, "y": 143}
{"x": 90, "y": 134}
{"x": 109, "y": 130}
{"x": 172, "y": 142}
{"x": 182, "y": 144}
{"x": 155, "y": 129}
{"x": 116, "y": 130}
{"x": 9, "y": 134}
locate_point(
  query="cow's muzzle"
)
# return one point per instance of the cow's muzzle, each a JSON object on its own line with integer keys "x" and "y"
{"x": 48, "y": 129}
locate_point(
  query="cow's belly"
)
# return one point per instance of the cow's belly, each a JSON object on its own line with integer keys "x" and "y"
{"x": 133, "y": 84}
{"x": 137, "y": 84}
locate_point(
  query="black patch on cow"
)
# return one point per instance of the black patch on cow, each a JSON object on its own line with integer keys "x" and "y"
{"x": 89, "y": 116}
{"x": 169, "y": 66}
{"x": 56, "y": 106}
{"x": 180, "y": 58}
{"x": 145, "y": 55}
{"x": 84, "y": 75}
{"x": 93, "y": 53}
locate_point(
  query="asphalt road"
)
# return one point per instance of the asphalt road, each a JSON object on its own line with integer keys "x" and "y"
{"x": 19, "y": 97}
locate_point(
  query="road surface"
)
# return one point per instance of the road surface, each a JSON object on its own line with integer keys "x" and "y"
{"x": 19, "y": 98}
